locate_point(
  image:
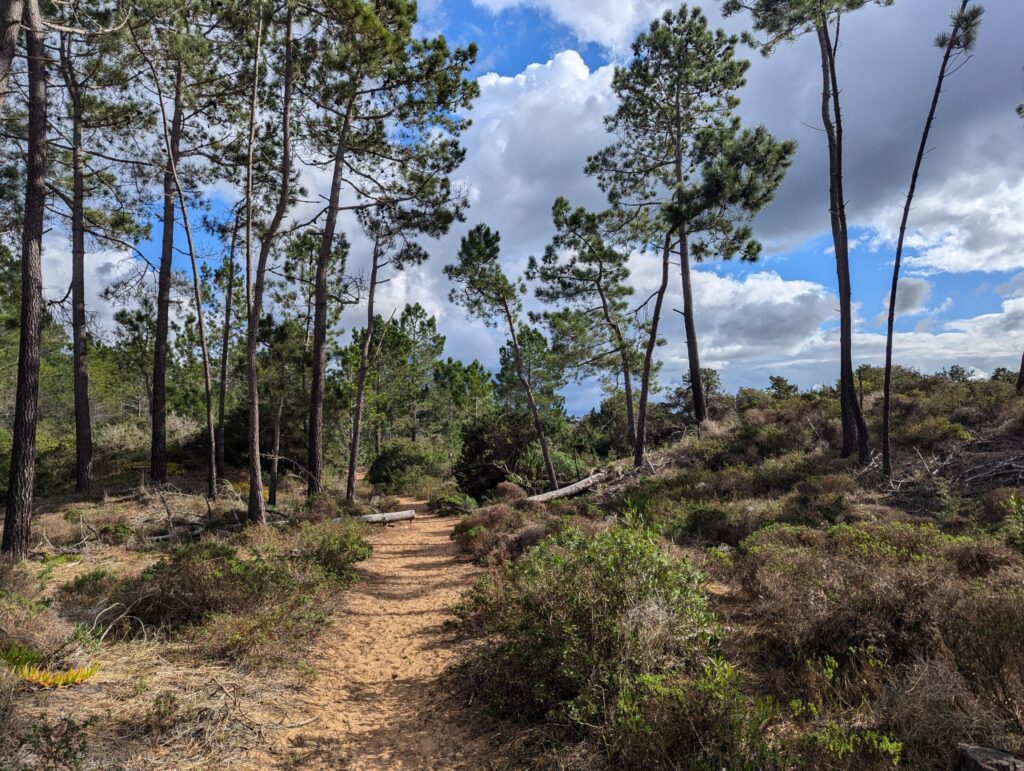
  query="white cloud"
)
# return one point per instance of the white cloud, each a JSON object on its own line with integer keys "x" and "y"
{"x": 970, "y": 222}
{"x": 911, "y": 297}
{"x": 610, "y": 23}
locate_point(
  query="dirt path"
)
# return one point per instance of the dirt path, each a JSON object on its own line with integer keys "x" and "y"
{"x": 379, "y": 700}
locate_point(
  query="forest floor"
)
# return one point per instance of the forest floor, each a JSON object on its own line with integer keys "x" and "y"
{"x": 381, "y": 698}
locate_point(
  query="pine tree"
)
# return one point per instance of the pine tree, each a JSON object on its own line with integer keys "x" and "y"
{"x": 782, "y": 21}
{"x": 485, "y": 292}
{"x": 585, "y": 271}
{"x": 18, "y": 513}
{"x": 386, "y": 100}
{"x": 102, "y": 196}
{"x": 682, "y": 165}
{"x": 956, "y": 43}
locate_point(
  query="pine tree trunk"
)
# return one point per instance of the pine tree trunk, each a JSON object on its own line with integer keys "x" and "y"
{"x": 275, "y": 457}
{"x": 79, "y": 330}
{"x": 855, "y": 430}
{"x": 158, "y": 409}
{"x": 211, "y": 437}
{"x": 315, "y": 463}
{"x": 224, "y": 351}
{"x": 652, "y": 344}
{"x": 1020, "y": 376}
{"x": 10, "y": 28}
{"x": 700, "y": 410}
{"x": 921, "y": 149}
{"x": 18, "y": 514}
{"x": 364, "y": 361}
{"x": 537, "y": 422}
{"x": 619, "y": 340}
{"x": 257, "y": 510}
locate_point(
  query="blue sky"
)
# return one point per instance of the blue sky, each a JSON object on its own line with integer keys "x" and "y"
{"x": 545, "y": 68}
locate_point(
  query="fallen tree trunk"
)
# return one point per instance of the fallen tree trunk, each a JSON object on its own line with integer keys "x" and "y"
{"x": 567, "y": 492}
{"x": 396, "y": 516}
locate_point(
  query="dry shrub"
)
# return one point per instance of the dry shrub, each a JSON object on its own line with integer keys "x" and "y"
{"x": 246, "y": 607}
{"x": 825, "y": 498}
{"x": 894, "y": 595}
{"x": 993, "y": 504}
{"x": 481, "y": 532}
{"x": 508, "y": 492}
{"x": 30, "y": 623}
{"x": 931, "y": 707}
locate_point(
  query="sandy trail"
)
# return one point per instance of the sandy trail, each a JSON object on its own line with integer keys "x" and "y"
{"x": 379, "y": 700}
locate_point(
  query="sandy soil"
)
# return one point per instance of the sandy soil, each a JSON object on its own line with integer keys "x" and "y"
{"x": 380, "y": 700}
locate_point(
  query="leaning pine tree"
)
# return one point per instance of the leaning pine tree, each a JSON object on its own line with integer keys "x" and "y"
{"x": 483, "y": 289}
{"x": 585, "y": 272}
{"x": 684, "y": 167}
{"x": 955, "y": 43}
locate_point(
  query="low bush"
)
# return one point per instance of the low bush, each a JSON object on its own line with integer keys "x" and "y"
{"x": 931, "y": 433}
{"x": 250, "y": 605}
{"x": 570, "y": 628}
{"x": 479, "y": 533}
{"x": 456, "y": 505}
{"x": 508, "y": 492}
{"x": 402, "y": 460}
{"x": 701, "y": 722}
{"x": 877, "y": 601}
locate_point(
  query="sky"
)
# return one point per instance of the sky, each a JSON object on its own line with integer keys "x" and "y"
{"x": 545, "y": 69}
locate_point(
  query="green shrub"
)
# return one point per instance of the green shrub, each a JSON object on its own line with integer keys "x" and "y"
{"x": 701, "y": 722}
{"x": 452, "y": 505}
{"x": 337, "y": 550}
{"x": 290, "y": 577}
{"x": 575, "y": 622}
{"x": 931, "y": 433}
{"x": 89, "y": 588}
{"x": 403, "y": 460}
{"x": 116, "y": 534}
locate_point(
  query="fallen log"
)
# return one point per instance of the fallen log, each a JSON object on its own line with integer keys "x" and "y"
{"x": 395, "y": 516}
{"x": 575, "y": 489}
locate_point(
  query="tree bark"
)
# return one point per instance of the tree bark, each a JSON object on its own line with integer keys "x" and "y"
{"x": 158, "y": 442}
{"x": 11, "y": 12}
{"x": 575, "y": 489}
{"x": 364, "y": 359}
{"x": 315, "y": 463}
{"x": 79, "y": 328}
{"x": 224, "y": 351}
{"x": 921, "y": 149}
{"x": 619, "y": 340}
{"x": 855, "y": 430}
{"x": 652, "y": 343}
{"x": 537, "y": 422}
{"x": 275, "y": 457}
{"x": 1020, "y": 376}
{"x": 700, "y": 410}
{"x": 257, "y": 510}
{"x": 18, "y": 514}
{"x": 211, "y": 437}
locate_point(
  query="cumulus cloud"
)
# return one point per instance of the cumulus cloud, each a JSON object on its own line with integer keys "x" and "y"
{"x": 609, "y": 23}
{"x": 969, "y": 222}
{"x": 911, "y": 299}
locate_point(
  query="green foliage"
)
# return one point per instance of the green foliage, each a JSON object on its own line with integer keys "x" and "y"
{"x": 90, "y": 588}
{"x": 452, "y": 505}
{"x": 1012, "y": 530}
{"x": 401, "y": 458}
{"x": 211, "y": 592}
{"x": 571, "y": 625}
{"x": 931, "y": 433}
{"x": 62, "y": 744}
{"x": 701, "y": 722}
